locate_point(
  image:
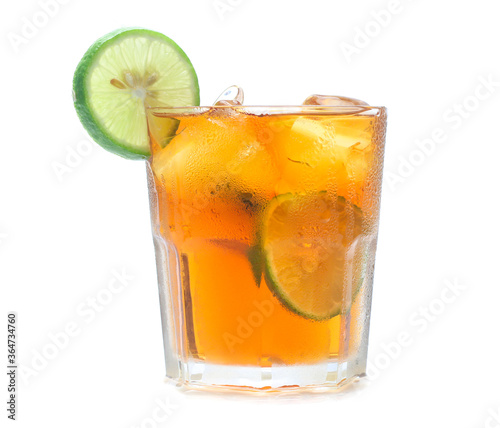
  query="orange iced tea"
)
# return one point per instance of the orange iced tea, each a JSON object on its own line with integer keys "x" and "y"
{"x": 265, "y": 225}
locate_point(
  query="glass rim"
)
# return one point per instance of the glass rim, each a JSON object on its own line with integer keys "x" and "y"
{"x": 270, "y": 109}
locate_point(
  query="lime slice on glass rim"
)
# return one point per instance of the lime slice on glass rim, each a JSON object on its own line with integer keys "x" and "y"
{"x": 311, "y": 257}
{"x": 122, "y": 74}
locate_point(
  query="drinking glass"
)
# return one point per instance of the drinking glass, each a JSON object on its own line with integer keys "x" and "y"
{"x": 265, "y": 222}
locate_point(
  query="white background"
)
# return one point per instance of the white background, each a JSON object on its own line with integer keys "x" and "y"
{"x": 61, "y": 237}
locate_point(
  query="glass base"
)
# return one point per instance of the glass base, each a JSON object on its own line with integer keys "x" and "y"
{"x": 329, "y": 376}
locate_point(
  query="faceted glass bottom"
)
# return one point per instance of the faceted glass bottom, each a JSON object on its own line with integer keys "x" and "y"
{"x": 329, "y": 376}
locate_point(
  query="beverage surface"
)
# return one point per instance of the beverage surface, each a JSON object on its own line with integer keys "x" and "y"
{"x": 271, "y": 220}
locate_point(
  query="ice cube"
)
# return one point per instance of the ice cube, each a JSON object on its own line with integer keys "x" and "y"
{"x": 232, "y": 96}
{"x": 332, "y": 100}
